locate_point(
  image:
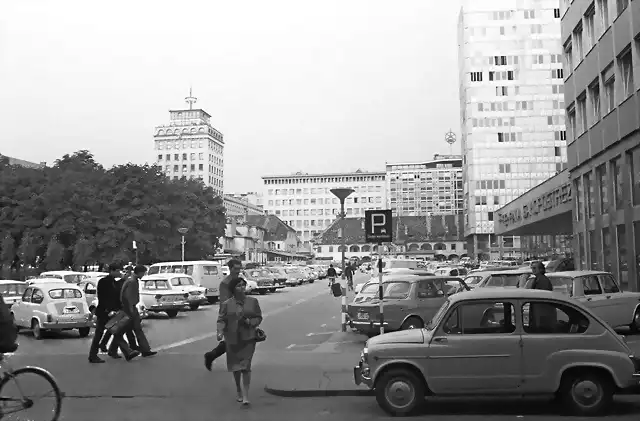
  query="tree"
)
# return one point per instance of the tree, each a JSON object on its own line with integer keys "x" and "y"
{"x": 8, "y": 250}
{"x": 54, "y": 255}
{"x": 28, "y": 249}
{"x": 82, "y": 252}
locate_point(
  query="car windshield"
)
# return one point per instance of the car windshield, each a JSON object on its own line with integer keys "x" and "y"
{"x": 12, "y": 290}
{"x": 74, "y": 279}
{"x": 292, "y": 270}
{"x": 504, "y": 280}
{"x": 255, "y": 273}
{"x": 66, "y": 293}
{"x": 472, "y": 279}
{"x": 436, "y": 318}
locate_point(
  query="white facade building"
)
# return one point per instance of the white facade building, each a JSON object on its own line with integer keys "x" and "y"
{"x": 305, "y": 202}
{"x": 511, "y": 109}
{"x": 425, "y": 188}
{"x": 189, "y": 146}
{"x": 238, "y": 206}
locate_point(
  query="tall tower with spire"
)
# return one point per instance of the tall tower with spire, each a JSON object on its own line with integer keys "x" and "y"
{"x": 190, "y": 147}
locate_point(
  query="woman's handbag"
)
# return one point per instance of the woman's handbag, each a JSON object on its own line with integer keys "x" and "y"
{"x": 260, "y": 335}
{"x": 118, "y": 322}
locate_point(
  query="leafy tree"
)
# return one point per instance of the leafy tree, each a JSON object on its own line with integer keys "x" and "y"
{"x": 55, "y": 252}
{"x": 8, "y": 250}
{"x": 82, "y": 252}
{"x": 28, "y": 249}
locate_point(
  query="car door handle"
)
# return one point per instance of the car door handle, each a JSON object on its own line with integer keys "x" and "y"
{"x": 589, "y": 299}
{"x": 608, "y": 297}
{"x": 440, "y": 340}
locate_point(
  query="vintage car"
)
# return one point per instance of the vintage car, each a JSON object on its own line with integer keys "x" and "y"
{"x": 182, "y": 284}
{"x": 279, "y": 276}
{"x": 295, "y": 276}
{"x": 451, "y": 271}
{"x": 157, "y": 295}
{"x": 600, "y": 292}
{"x": 263, "y": 279}
{"x": 89, "y": 288}
{"x": 566, "y": 351}
{"x": 410, "y": 301}
{"x": 68, "y": 276}
{"x": 513, "y": 278}
{"x": 12, "y": 291}
{"x": 52, "y": 306}
{"x": 390, "y": 272}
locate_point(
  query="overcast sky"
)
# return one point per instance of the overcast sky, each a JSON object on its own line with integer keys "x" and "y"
{"x": 294, "y": 85}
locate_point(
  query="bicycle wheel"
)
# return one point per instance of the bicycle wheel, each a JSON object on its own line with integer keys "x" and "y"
{"x": 18, "y": 402}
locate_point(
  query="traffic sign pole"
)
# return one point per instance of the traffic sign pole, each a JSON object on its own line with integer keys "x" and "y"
{"x": 380, "y": 288}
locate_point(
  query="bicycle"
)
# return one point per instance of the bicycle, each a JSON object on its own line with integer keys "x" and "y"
{"x": 21, "y": 401}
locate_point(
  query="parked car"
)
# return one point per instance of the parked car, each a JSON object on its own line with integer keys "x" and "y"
{"x": 262, "y": 278}
{"x": 68, "y": 276}
{"x": 391, "y": 272}
{"x": 12, "y": 291}
{"x": 89, "y": 288}
{"x": 158, "y": 296}
{"x": 451, "y": 271}
{"x": 570, "y": 353}
{"x": 52, "y": 306}
{"x": 295, "y": 277}
{"x": 410, "y": 301}
{"x": 205, "y": 273}
{"x": 183, "y": 284}
{"x": 279, "y": 276}
{"x": 600, "y": 292}
{"x": 514, "y": 278}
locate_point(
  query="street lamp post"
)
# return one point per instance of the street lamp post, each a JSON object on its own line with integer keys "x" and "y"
{"x": 342, "y": 195}
{"x": 183, "y": 231}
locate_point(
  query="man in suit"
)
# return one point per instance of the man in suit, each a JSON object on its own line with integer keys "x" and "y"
{"x": 235, "y": 267}
{"x": 108, "y": 305}
{"x": 131, "y": 338}
{"x": 130, "y": 296}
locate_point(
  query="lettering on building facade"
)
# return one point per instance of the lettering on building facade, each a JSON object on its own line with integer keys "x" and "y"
{"x": 539, "y": 205}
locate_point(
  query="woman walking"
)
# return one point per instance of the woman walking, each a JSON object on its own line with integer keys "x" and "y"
{"x": 237, "y": 322}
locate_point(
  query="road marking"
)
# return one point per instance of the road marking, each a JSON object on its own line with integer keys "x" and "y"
{"x": 321, "y": 333}
{"x": 213, "y": 334}
{"x": 291, "y": 346}
{"x": 323, "y": 325}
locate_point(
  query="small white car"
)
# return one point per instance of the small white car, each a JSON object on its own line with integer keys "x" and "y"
{"x": 52, "y": 306}
{"x": 12, "y": 291}
{"x": 183, "y": 284}
{"x": 157, "y": 296}
{"x": 67, "y": 276}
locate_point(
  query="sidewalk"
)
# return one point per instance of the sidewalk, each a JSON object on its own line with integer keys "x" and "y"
{"x": 325, "y": 371}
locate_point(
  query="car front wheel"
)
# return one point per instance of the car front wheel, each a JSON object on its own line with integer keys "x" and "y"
{"x": 35, "y": 328}
{"x": 412, "y": 323}
{"x": 194, "y": 307}
{"x": 399, "y": 392}
{"x": 586, "y": 393}
{"x": 84, "y": 331}
{"x": 635, "y": 323}
{"x": 172, "y": 313}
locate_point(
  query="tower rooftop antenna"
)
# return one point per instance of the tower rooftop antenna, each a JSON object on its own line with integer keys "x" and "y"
{"x": 191, "y": 99}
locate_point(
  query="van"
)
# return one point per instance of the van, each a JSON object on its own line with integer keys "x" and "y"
{"x": 398, "y": 264}
{"x": 206, "y": 273}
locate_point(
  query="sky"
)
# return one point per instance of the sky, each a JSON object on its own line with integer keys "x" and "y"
{"x": 293, "y": 85}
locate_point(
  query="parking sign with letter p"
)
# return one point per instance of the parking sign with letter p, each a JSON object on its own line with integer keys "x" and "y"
{"x": 378, "y": 226}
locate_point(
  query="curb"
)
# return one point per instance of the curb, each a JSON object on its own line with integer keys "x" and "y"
{"x": 310, "y": 393}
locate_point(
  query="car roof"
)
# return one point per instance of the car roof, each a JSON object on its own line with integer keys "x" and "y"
{"x": 163, "y": 276}
{"x": 62, "y": 272}
{"x": 513, "y": 271}
{"x": 190, "y": 262}
{"x": 506, "y": 293}
{"x": 576, "y": 273}
{"x": 48, "y": 286}
{"x": 11, "y": 281}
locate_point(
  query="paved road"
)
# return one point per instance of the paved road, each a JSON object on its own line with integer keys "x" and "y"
{"x": 300, "y": 323}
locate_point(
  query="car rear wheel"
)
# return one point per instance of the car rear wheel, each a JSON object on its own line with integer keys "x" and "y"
{"x": 635, "y": 323}
{"x": 35, "y": 328}
{"x": 586, "y": 393}
{"x": 399, "y": 392}
{"x": 194, "y": 307}
{"x": 172, "y": 313}
{"x": 212, "y": 300}
{"x": 262, "y": 291}
{"x": 272, "y": 290}
{"x": 84, "y": 331}
{"x": 412, "y": 323}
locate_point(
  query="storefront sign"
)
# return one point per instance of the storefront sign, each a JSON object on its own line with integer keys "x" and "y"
{"x": 540, "y": 205}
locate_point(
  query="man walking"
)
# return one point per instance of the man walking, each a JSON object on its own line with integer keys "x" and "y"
{"x": 130, "y": 296}
{"x": 235, "y": 266}
{"x": 348, "y": 271}
{"x": 331, "y": 274}
{"x": 108, "y": 305}
{"x": 131, "y": 338}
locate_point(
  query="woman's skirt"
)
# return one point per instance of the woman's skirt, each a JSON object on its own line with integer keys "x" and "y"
{"x": 239, "y": 356}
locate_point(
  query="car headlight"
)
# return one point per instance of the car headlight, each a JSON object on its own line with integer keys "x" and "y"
{"x": 364, "y": 355}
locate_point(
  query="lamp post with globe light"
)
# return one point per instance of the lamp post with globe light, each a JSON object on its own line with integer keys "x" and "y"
{"x": 183, "y": 231}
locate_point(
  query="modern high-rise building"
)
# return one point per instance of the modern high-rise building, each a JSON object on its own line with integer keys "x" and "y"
{"x": 305, "y": 202}
{"x": 189, "y": 146}
{"x": 511, "y": 108}
{"x": 423, "y": 188}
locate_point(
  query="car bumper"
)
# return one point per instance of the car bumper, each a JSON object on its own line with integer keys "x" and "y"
{"x": 368, "y": 326}
{"x": 67, "y": 325}
{"x": 211, "y": 292}
{"x": 168, "y": 306}
{"x": 634, "y": 388}
{"x": 362, "y": 375}
{"x": 197, "y": 300}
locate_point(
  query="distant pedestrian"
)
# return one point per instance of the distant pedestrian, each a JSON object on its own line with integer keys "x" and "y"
{"x": 542, "y": 317}
{"x": 238, "y": 320}
{"x": 235, "y": 268}
{"x": 108, "y": 305}
{"x": 541, "y": 281}
{"x": 349, "y": 270}
{"x": 130, "y": 296}
{"x": 331, "y": 274}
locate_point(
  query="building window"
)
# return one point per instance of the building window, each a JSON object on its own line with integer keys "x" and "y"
{"x": 623, "y": 270}
{"x": 603, "y": 185}
{"x": 589, "y": 26}
{"x": 579, "y": 201}
{"x": 606, "y": 248}
{"x": 476, "y": 76}
{"x": 160, "y": 157}
{"x": 603, "y": 11}
{"x": 635, "y": 177}
{"x": 617, "y": 182}
{"x": 571, "y": 116}
{"x": 609, "y": 87}
{"x": 568, "y": 56}
{"x": 626, "y": 72}
{"x": 621, "y": 5}
{"x": 577, "y": 43}
{"x": 501, "y": 91}
{"x": 594, "y": 100}
{"x": 593, "y": 247}
{"x": 590, "y": 199}
{"x": 556, "y": 13}
{"x": 581, "y": 251}
{"x": 582, "y": 112}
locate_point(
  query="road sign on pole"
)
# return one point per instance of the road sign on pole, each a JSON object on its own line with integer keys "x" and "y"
{"x": 378, "y": 226}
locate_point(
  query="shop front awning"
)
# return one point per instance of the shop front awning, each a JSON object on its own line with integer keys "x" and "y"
{"x": 544, "y": 210}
